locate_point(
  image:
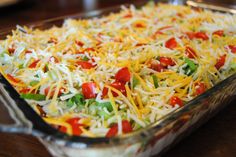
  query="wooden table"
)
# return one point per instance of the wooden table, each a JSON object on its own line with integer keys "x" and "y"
{"x": 214, "y": 139}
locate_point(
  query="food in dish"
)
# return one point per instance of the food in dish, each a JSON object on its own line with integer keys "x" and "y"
{"x": 116, "y": 74}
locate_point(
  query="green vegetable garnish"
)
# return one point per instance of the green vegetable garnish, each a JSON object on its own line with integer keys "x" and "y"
{"x": 33, "y": 83}
{"x": 77, "y": 99}
{"x": 135, "y": 81}
{"x": 155, "y": 81}
{"x": 103, "y": 114}
{"x": 85, "y": 58}
{"x": 37, "y": 97}
{"x": 105, "y": 104}
{"x": 191, "y": 67}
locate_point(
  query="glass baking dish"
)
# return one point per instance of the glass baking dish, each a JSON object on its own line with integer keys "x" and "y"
{"x": 18, "y": 117}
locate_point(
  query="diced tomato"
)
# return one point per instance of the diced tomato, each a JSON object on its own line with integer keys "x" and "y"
{"x": 190, "y": 52}
{"x": 79, "y": 43}
{"x": 123, "y": 75}
{"x": 112, "y": 131}
{"x": 232, "y": 48}
{"x": 201, "y": 35}
{"x": 197, "y": 35}
{"x": 75, "y": 126}
{"x": 24, "y": 91}
{"x": 171, "y": 43}
{"x": 140, "y": 25}
{"x": 11, "y": 50}
{"x": 74, "y": 121}
{"x": 46, "y": 91}
{"x": 199, "y": 88}
{"x": 89, "y": 49}
{"x": 157, "y": 66}
{"x": 174, "y": 100}
{"x": 63, "y": 129}
{"x": 89, "y": 90}
{"x": 85, "y": 64}
{"x": 34, "y": 64}
{"x": 117, "y": 85}
{"x": 220, "y": 62}
{"x": 166, "y": 61}
{"x": 140, "y": 44}
{"x": 13, "y": 79}
{"x": 53, "y": 59}
{"x": 190, "y": 35}
{"x": 219, "y": 33}
{"x": 126, "y": 128}
{"x": 28, "y": 52}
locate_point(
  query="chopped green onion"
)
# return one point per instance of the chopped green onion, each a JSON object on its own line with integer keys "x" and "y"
{"x": 77, "y": 99}
{"x": 155, "y": 81}
{"x": 233, "y": 65}
{"x": 191, "y": 66}
{"x": 105, "y": 104}
{"x": 33, "y": 83}
{"x": 91, "y": 101}
{"x": 135, "y": 82}
{"x": 85, "y": 58}
{"x": 70, "y": 103}
{"x": 102, "y": 113}
{"x": 37, "y": 97}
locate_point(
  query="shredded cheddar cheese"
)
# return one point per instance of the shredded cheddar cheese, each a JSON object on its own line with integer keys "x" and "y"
{"x": 112, "y": 75}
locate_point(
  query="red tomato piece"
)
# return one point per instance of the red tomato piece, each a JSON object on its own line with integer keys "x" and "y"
{"x": 28, "y": 52}
{"x": 75, "y": 126}
{"x": 219, "y": 33}
{"x": 174, "y": 100}
{"x": 34, "y": 64}
{"x": 232, "y": 48}
{"x": 117, "y": 85}
{"x": 13, "y": 79}
{"x": 140, "y": 25}
{"x": 126, "y": 126}
{"x": 201, "y": 35}
{"x": 171, "y": 43}
{"x": 24, "y": 91}
{"x": 74, "y": 121}
{"x": 79, "y": 43}
{"x": 63, "y": 129}
{"x": 123, "y": 75}
{"x": 89, "y": 90}
{"x": 190, "y": 35}
{"x": 220, "y": 62}
{"x": 11, "y": 50}
{"x": 46, "y": 91}
{"x": 199, "y": 88}
{"x": 166, "y": 61}
{"x": 190, "y": 52}
{"x": 89, "y": 49}
{"x": 112, "y": 131}
{"x": 157, "y": 66}
{"x": 85, "y": 64}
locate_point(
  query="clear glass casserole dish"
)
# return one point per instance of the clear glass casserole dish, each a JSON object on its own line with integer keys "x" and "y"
{"x": 153, "y": 140}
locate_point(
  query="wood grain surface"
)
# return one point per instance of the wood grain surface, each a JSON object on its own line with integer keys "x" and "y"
{"x": 216, "y": 138}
